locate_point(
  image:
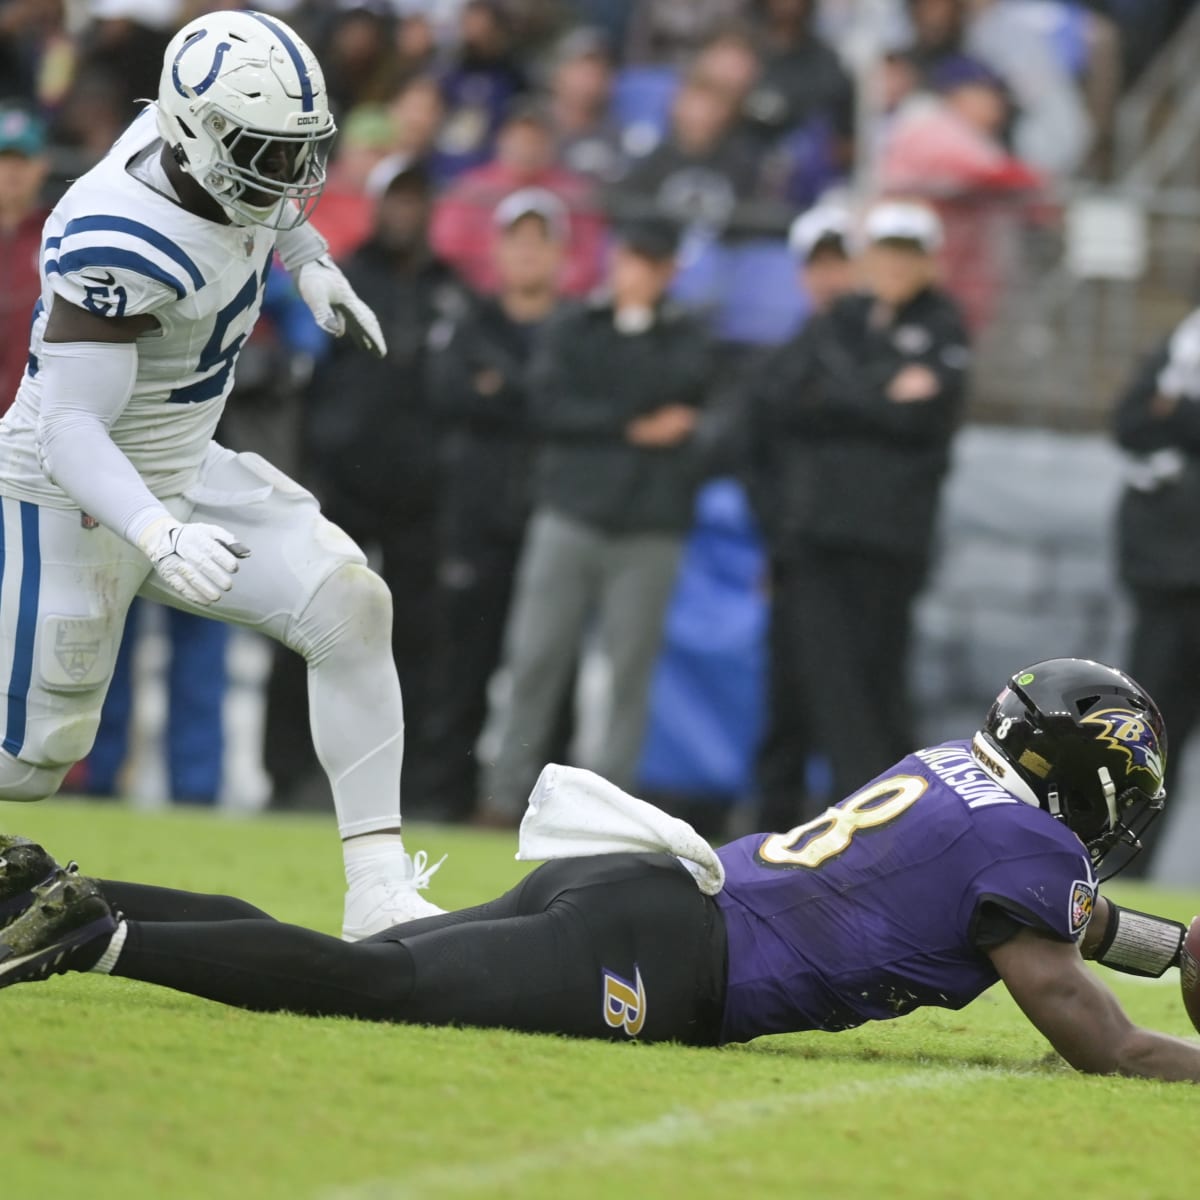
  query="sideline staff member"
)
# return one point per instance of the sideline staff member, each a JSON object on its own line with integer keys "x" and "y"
{"x": 861, "y": 407}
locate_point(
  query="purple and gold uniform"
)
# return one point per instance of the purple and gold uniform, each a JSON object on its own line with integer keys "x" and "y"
{"x": 887, "y": 901}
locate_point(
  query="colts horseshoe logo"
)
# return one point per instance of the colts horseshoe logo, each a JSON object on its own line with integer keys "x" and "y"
{"x": 200, "y": 88}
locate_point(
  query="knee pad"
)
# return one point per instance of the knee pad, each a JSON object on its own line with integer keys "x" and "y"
{"x": 352, "y": 603}
{"x": 24, "y": 781}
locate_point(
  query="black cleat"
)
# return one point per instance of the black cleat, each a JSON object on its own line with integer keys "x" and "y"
{"x": 65, "y": 928}
{"x": 23, "y": 865}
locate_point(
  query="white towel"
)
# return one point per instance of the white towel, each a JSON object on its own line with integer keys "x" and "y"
{"x": 573, "y": 812}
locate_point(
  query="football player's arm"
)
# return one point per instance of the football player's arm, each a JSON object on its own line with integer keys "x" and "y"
{"x": 1080, "y": 1016}
{"x": 87, "y": 367}
{"x": 334, "y": 304}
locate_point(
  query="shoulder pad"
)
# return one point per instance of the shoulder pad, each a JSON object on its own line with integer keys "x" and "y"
{"x": 116, "y": 266}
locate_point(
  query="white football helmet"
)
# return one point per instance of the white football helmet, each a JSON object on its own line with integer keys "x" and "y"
{"x": 242, "y": 103}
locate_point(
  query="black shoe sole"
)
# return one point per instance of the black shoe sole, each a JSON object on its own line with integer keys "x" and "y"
{"x": 51, "y": 960}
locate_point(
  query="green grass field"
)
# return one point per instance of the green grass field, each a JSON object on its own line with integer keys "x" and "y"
{"x": 113, "y": 1089}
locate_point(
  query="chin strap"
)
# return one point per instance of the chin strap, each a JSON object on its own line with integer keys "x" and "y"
{"x": 1139, "y": 943}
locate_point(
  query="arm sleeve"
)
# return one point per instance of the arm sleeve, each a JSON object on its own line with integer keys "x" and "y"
{"x": 85, "y": 387}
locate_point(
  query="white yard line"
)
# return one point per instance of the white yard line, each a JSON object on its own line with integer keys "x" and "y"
{"x": 678, "y": 1128}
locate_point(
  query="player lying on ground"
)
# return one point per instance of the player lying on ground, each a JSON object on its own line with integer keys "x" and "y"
{"x": 153, "y": 266}
{"x": 969, "y": 862}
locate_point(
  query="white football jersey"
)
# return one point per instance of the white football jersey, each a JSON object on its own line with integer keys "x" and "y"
{"x": 118, "y": 246}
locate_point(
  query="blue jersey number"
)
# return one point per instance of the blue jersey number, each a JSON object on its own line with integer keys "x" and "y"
{"x": 216, "y": 353}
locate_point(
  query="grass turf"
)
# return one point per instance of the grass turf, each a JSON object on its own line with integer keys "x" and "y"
{"x": 115, "y": 1089}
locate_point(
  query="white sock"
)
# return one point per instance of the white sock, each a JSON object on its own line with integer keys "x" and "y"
{"x": 116, "y": 944}
{"x": 373, "y": 854}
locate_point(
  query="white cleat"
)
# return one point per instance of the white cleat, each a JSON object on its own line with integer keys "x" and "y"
{"x": 383, "y": 901}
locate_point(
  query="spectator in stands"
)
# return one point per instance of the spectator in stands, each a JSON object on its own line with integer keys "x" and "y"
{"x": 1158, "y": 528}
{"x": 479, "y": 86}
{"x": 117, "y": 62}
{"x": 949, "y": 140}
{"x": 705, "y": 166}
{"x": 588, "y": 140}
{"x": 858, "y": 411}
{"x": 479, "y": 391}
{"x": 417, "y": 112}
{"x": 730, "y": 59}
{"x": 416, "y": 45}
{"x": 369, "y": 435}
{"x": 30, "y": 34}
{"x": 803, "y": 87}
{"x": 462, "y": 220}
{"x": 948, "y": 143}
{"x": 671, "y": 31}
{"x": 23, "y": 167}
{"x": 1052, "y": 132}
{"x": 346, "y": 213}
{"x": 616, "y": 389}
{"x": 820, "y": 241}
{"x": 359, "y": 57}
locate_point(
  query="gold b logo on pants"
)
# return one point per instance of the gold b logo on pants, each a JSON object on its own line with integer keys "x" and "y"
{"x": 625, "y": 1002}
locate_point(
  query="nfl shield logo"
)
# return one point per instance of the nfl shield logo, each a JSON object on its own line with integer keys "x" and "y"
{"x": 76, "y": 655}
{"x": 248, "y": 244}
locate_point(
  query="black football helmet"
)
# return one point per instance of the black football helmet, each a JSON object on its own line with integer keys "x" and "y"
{"x": 1089, "y": 744}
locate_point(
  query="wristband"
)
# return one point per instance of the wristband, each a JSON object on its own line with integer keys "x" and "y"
{"x": 1139, "y": 943}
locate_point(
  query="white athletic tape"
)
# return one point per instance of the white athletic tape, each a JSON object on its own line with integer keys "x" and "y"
{"x": 677, "y": 1128}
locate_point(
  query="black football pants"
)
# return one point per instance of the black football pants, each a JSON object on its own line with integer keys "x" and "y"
{"x": 611, "y": 946}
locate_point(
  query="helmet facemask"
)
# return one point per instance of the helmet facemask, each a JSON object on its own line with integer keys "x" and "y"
{"x": 242, "y": 180}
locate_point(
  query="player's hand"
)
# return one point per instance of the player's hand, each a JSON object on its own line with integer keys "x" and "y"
{"x": 336, "y": 308}
{"x": 1181, "y": 374}
{"x": 198, "y": 561}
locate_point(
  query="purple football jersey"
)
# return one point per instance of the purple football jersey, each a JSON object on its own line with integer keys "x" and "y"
{"x": 873, "y": 909}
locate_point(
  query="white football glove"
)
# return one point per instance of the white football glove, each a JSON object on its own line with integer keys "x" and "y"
{"x": 197, "y": 561}
{"x": 1181, "y": 374}
{"x": 336, "y": 308}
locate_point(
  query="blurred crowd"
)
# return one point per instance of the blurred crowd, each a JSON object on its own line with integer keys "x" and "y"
{"x": 611, "y": 251}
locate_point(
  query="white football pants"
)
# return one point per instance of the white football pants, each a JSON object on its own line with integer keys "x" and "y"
{"x": 65, "y": 590}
